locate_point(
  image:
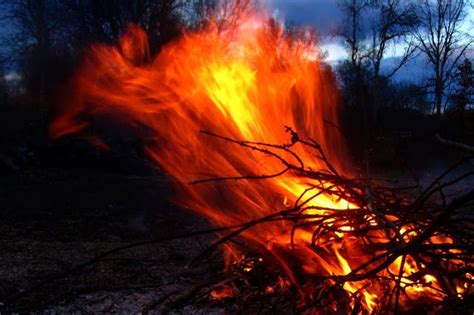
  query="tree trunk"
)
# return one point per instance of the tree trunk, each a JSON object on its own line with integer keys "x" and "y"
{"x": 439, "y": 89}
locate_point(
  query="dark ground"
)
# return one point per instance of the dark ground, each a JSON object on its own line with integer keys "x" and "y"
{"x": 53, "y": 219}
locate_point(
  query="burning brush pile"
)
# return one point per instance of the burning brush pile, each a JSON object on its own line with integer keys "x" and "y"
{"x": 302, "y": 230}
{"x": 388, "y": 250}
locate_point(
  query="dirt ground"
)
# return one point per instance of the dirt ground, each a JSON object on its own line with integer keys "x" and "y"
{"x": 53, "y": 220}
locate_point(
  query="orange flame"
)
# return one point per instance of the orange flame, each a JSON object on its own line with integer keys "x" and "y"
{"x": 222, "y": 293}
{"x": 245, "y": 82}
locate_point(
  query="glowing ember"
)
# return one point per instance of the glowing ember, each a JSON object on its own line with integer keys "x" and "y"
{"x": 244, "y": 82}
{"x": 222, "y": 293}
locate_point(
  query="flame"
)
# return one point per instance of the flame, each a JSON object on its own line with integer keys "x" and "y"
{"x": 222, "y": 292}
{"x": 246, "y": 82}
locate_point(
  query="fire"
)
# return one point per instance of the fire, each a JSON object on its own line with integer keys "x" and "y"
{"x": 246, "y": 82}
{"x": 222, "y": 293}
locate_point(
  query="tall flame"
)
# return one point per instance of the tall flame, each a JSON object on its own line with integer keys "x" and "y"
{"x": 246, "y": 82}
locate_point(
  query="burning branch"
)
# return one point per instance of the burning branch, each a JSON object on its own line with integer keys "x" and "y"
{"x": 414, "y": 247}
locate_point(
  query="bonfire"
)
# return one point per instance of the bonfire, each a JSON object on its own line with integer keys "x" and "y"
{"x": 243, "y": 117}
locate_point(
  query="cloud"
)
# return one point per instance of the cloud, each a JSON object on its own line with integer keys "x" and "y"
{"x": 324, "y": 15}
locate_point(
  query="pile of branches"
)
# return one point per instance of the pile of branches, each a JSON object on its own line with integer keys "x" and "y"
{"x": 421, "y": 227}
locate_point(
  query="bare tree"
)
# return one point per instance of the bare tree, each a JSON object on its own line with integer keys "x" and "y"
{"x": 105, "y": 20}
{"x": 225, "y": 14}
{"x": 352, "y": 33}
{"x": 45, "y": 32}
{"x": 353, "y": 72}
{"x": 370, "y": 28}
{"x": 442, "y": 41}
{"x": 393, "y": 22}
{"x": 38, "y": 25}
{"x": 199, "y": 12}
